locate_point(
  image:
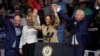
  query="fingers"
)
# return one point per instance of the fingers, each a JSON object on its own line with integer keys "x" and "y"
{"x": 54, "y": 7}
{"x": 20, "y": 51}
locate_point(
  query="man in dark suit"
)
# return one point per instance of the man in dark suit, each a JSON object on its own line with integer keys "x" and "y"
{"x": 10, "y": 32}
{"x": 12, "y": 35}
{"x": 18, "y": 30}
{"x": 79, "y": 24}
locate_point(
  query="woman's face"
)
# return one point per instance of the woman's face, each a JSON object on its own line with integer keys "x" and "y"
{"x": 35, "y": 12}
{"x": 48, "y": 20}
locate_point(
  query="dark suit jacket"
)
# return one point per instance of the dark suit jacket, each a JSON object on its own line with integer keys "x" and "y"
{"x": 10, "y": 33}
{"x": 80, "y": 28}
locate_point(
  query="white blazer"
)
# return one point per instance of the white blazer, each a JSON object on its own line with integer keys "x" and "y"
{"x": 29, "y": 35}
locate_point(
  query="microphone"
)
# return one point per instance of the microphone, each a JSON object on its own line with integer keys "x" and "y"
{"x": 48, "y": 34}
{"x": 51, "y": 35}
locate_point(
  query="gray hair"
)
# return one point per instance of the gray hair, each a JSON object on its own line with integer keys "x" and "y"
{"x": 80, "y": 11}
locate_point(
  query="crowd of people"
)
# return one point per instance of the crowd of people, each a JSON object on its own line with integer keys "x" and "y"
{"x": 55, "y": 21}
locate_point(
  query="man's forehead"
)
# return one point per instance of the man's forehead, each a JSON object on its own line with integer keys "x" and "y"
{"x": 17, "y": 17}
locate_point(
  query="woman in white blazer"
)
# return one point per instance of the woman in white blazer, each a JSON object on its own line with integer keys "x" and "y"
{"x": 28, "y": 38}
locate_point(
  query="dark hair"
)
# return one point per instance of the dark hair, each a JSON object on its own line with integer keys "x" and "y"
{"x": 29, "y": 8}
{"x": 51, "y": 17}
{"x": 3, "y": 7}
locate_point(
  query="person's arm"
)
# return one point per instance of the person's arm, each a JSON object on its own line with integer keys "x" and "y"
{"x": 63, "y": 16}
{"x": 57, "y": 20}
{"x": 21, "y": 39}
{"x": 38, "y": 20}
{"x": 21, "y": 42}
{"x": 37, "y": 27}
{"x": 57, "y": 8}
{"x": 94, "y": 14}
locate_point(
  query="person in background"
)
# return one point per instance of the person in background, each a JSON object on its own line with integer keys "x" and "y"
{"x": 28, "y": 38}
{"x": 83, "y": 5}
{"x": 1, "y": 2}
{"x": 3, "y": 12}
{"x": 94, "y": 30}
{"x": 47, "y": 8}
{"x": 16, "y": 12}
{"x": 80, "y": 23}
{"x": 2, "y": 30}
{"x": 18, "y": 30}
{"x": 34, "y": 4}
{"x": 7, "y": 4}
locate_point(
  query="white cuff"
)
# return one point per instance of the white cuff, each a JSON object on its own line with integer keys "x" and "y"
{"x": 59, "y": 8}
{"x": 97, "y": 7}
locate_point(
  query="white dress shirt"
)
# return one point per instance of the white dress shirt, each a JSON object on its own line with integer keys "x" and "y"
{"x": 74, "y": 40}
{"x": 18, "y": 32}
{"x": 37, "y": 22}
{"x": 29, "y": 36}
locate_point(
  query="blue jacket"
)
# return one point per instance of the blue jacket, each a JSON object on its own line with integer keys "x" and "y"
{"x": 81, "y": 28}
{"x": 10, "y": 33}
{"x": 60, "y": 33}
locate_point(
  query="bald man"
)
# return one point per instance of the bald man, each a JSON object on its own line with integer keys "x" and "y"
{"x": 13, "y": 32}
{"x": 17, "y": 21}
{"x": 18, "y": 31}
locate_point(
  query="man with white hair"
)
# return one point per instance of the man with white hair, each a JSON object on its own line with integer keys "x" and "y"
{"x": 79, "y": 24}
{"x": 79, "y": 15}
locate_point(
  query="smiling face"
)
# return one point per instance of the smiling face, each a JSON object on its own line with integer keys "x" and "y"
{"x": 16, "y": 21}
{"x": 48, "y": 20}
{"x": 79, "y": 16}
